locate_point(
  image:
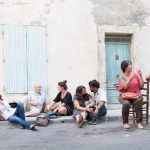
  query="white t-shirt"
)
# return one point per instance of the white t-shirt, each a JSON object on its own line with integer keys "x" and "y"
{"x": 100, "y": 96}
{"x": 5, "y": 110}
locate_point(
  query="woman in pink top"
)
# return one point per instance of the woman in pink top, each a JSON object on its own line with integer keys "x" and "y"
{"x": 131, "y": 82}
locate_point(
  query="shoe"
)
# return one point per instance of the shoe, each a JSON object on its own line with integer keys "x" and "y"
{"x": 93, "y": 122}
{"x": 140, "y": 126}
{"x": 33, "y": 128}
{"x": 126, "y": 126}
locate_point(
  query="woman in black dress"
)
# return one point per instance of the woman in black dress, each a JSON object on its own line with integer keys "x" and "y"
{"x": 65, "y": 97}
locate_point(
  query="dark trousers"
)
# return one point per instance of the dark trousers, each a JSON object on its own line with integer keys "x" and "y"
{"x": 126, "y": 104}
{"x": 101, "y": 113}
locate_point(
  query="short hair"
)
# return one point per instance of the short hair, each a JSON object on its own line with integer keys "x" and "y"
{"x": 125, "y": 64}
{"x": 63, "y": 84}
{"x": 94, "y": 83}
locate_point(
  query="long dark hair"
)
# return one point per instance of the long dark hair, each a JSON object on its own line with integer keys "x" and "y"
{"x": 79, "y": 92}
{"x": 63, "y": 84}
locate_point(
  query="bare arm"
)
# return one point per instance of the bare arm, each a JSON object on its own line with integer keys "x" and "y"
{"x": 127, "y": 83}
{"x": 78, "y": 107}
{"x": 49, "y": 106}
{"x": 139, "y": 73}
{"x": 92, "y": 103}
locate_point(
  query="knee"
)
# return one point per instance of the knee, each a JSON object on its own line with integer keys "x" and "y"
{"x": 126, "y": 104}
{"x": 20, "y": 104}
{"x": 62, "y": 110}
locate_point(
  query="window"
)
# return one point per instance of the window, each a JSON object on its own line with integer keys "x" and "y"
{"x": 25, "y": 58}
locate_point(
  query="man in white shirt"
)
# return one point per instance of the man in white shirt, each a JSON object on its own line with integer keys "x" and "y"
{"x": 99, "y": 96}
{"x": 34, "y": 102}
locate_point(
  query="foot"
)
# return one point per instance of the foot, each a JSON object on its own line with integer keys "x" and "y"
{"x": 126, "y": 126}
{"x": 83, "y": 122}
{"x": 79, "y": 119}
{"x": 140, "y": 126}
{"x": 33, "y": 128}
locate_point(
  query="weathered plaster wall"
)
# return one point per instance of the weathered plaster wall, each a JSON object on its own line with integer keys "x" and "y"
{"x": 72, "y": 38}
{"x": 120, "y": 12}
{"x": 72, "y": 42}
{"x": 125, "y": 16}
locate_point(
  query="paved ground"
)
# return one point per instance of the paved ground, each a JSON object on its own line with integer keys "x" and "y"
{"x": 108, "y": 135}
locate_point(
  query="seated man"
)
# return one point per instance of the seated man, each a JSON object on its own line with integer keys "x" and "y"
{"x": 99, "y": 96}
{"x": 34, "y": 102}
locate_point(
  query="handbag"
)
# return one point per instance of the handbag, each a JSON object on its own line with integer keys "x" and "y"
{"x": 42, "y": 121}
{"x": 130, "y": 96}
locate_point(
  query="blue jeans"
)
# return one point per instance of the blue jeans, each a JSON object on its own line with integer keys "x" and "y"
{"x": 19, "y": 117}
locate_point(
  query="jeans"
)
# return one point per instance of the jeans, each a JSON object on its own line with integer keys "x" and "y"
{"x": 19, "y": 117}
{"x": 101, "y": 113}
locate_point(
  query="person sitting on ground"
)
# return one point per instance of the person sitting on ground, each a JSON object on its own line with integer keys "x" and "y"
{"x": 65, "y": 97}
{"x": 15, "y": 115}
{"x": 34, "y": 102}
{"x": 99, "y": 96}
{"x": 131, "y": 82}
{"x": 82, "y": 106}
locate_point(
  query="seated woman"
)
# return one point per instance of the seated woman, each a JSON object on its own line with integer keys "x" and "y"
{"x": 15, "y": 115}
{"x": 131, "y": 82}
{"x": 65, "y": 97}
{"x": 82, "y": 104}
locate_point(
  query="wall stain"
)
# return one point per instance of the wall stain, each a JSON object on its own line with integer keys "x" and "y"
{"x": 120, "y": 12}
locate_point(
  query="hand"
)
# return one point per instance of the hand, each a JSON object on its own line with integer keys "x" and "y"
{"x": 139, "y": 72}
{"x": 34, "y": 103}
{"x": 47, "y": 108}
{"x": 56, "y": 109}
{"x": 148, "y": 78}
{"x": 89, "y": 109}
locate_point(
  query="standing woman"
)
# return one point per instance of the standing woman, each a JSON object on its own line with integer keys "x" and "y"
{"x": 131, "y": 82}
{"x": 65, "y": 97}
{"x": 15, "y": 115}
{"x": 82, "y": 104}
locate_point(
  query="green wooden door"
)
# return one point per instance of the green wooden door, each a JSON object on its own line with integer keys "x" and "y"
{"x": 117, "y": 50}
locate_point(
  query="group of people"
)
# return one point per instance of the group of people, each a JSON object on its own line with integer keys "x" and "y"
{"x": 83, "y": 107}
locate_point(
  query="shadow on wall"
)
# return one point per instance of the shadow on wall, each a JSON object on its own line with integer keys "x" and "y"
{"x": 120, "y": 12}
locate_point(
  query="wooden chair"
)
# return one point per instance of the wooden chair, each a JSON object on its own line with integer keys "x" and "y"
{"x": 145, "y": 107}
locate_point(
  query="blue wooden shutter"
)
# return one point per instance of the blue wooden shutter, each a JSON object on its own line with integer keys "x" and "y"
{"x": 37, "y": 57}
{"x": 15, "y": 59}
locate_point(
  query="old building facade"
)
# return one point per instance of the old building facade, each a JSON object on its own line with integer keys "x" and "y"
{"x": 47, "y": 41}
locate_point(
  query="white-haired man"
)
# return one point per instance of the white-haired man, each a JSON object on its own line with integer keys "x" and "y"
{"x": 34, "y": 102}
